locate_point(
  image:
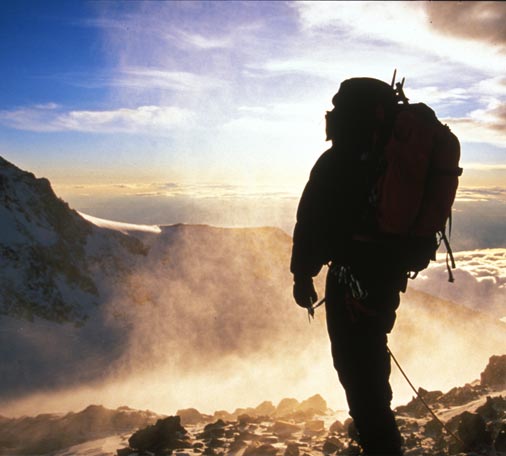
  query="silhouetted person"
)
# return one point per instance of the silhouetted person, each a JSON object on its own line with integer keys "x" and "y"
{"x": 364, "y": 278}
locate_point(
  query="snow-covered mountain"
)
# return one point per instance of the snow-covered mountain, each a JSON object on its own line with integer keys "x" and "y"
{"x": 51, "y": 258}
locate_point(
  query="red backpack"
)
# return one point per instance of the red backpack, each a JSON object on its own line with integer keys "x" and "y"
{"x": 415, "y": 191}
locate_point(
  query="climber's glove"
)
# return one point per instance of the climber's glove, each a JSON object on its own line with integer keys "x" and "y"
{"x": 304, "y": 292}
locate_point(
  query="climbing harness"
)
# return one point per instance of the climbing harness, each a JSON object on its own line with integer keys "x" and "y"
{"x": 344, "y": 277}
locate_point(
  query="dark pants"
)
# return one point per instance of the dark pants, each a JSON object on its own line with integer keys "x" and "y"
{"x": 358, "y": 335}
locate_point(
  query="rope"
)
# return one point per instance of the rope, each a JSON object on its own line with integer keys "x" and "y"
{"x": 446, "y": 428}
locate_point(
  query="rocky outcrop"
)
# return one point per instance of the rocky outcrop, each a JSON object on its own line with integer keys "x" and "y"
{"x": 494, "y": 375}
{"x": 47, "y": 433}
{"x": 166, "y": 434}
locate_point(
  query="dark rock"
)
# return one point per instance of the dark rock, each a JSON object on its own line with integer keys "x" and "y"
{"x": 352, "y": 431}
{"x": 332, "y": 445}
{"x": 459, "y": 395}
{"x": 347, "y": 423}
{"x": 165, "y": 434}
{"x": 213, "y": 430}
{"x": 337, "y": 427}
{"x": 500, "y": 440}
{"x": 260, "y": 450}
{"x": 472, "y": 431}
{"x": 246, "y": 435}
{"x": 190, "y": 416}
{"x": 124, "y": 451}
{"x": 351, "y": 450}
{"x": 244, "y": 418}
{"x": 415, "y": 407}
{"x": 292, "y": 449}
{"x": 433, "y": 429}
{"x": 493, "y": 408}
{"x": 216, "y": 443}
{"x": 412, "y": 441}
{"x": 494, "y": 375}
{"x": 272, "y": 439}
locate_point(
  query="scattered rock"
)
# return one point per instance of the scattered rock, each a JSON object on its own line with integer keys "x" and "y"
{"x": 433, "y": 429}
{"x": 415, "y": 407}
{"x": 494, "y": 375}
{"x": 224, "y": 415}
{"x": 244, "y": 418}
{"x": 352, "y": 431}
{"x": 284, "y": 429}
{"x": 314, "y": 427}
{"x": 286, "y": 406}
{"x": 493, "y": 408}
{"x": 292, "y": 449}
{"x": 213, "y": 430}
{"x": 472, "y": 431}
{"x": 500, "y": 440}
{"x": 337, "y": 427}
{"x": 266, "y": 408}
{"x": 458, "y": 396}
{"x": 332, "y": 445}
{"x": 165, "y": 434}
{"x": 190, "y": 416}
{"x": 315, "y": 403}
{"x": 260, "y": 450}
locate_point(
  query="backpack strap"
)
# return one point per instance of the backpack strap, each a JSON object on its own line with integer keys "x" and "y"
{"x": 450, "y": 260}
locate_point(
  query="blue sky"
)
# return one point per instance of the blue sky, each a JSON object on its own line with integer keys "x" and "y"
{"x": 101, "y": 95}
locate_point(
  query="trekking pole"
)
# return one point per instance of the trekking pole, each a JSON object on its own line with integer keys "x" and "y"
{"x": 422, "y": 400}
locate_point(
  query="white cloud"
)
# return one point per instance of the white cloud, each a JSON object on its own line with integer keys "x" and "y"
{"x": 146, "y": 78}
{"x": 482, "y": 125}
{"x": 205, "y": 42}
{"x": 469, "y": 194}
{"x": 480, "y": 280}
{"x": 404, "y": 23}
{"x": 151, "y": 119}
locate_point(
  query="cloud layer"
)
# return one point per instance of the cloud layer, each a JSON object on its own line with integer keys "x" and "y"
{"x": 49, "y": 118}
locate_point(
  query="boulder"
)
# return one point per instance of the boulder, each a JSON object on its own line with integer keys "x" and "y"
{"x": 190, "y": 416}
{"x": 256, "y": 449}
{"x": 266, "y": 408}
{"x": 213, "y": 430}
{"x": 332, "y": 445}
{"x": 433, "y": 429}
{"x": 314, "y": 427}
{"x": 284, "y": 429}
{"x": 459, "y": 395}
{"x": 493, "y": 408}
{"x": 224, "y": 415}
{"x": 286, "y": 406}
{"x": 500, "y": 440}
{"x": 165, "y": 434}
{"x": 315, "y": 403}
{"x": 472, "y": 430}
{"x": 494, "y": 375}
{"x": 292, "y": 449}
{"x": 415, "y": 407}
{"x": 337, "y": 427}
